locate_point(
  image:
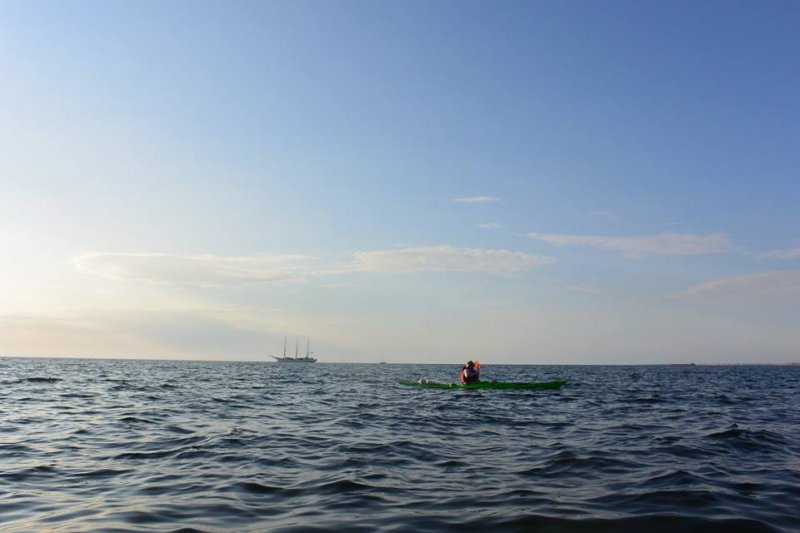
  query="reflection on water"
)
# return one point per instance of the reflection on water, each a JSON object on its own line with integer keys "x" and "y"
{"x": 160, "y": 446}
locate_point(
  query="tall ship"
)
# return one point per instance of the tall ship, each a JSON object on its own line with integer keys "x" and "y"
{"x": 307, "y": 358}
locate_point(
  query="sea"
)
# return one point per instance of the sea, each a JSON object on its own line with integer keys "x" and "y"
{"x": 181, "y": 446}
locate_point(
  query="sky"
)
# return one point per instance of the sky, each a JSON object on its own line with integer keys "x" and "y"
{"x": 541, "y": 182}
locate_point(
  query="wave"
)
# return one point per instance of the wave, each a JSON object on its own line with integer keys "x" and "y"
{"x": 160, "y": 446}
{"x": 750, "y": 440}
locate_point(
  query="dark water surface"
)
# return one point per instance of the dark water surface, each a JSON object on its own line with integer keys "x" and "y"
{"x": 165, "y": 446}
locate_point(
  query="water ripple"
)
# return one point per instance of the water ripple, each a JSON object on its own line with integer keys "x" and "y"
{"x": 211, "y": 447}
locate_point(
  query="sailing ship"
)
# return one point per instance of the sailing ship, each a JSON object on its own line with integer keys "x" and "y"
{"x": 307, "y": 358}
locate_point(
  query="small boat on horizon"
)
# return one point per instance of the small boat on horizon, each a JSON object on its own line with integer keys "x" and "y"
{"x": 307, "y": 358}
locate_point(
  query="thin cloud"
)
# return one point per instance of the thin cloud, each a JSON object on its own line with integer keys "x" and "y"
{"x": 780, "y": 254}
{"x": 663, "y": 244}
{"x": 586, "y": 288}
{"x": 210, "y": 271}
{"x": 476, "y": 200}
{"x": 608, "y": 215}
{"x": 447, "y": 259}
{"x": 750, "y": 288}
{"x": 192, "y": 270}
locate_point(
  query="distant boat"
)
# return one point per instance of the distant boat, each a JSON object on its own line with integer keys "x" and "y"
{"x": 307, "y": 358}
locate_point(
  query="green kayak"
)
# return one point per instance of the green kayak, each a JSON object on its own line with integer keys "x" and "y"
{"x": 485, "y": 385}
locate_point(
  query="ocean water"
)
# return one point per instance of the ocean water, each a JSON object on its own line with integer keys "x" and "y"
{"x": 90, "y": 445}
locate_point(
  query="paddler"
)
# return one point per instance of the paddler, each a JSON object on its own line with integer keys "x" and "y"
{"x": 470, "y": 373}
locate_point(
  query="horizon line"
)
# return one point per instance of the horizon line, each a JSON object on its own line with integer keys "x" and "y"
{"x": 157, "y": 359}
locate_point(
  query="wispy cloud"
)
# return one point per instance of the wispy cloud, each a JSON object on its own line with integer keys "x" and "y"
{"x": 490, "y": 225}
{"x": 476, "y": 200}
{"x": 586, "y": 288}
{"x": 210, "y": 271}
{"x": 663, "y": 244}
{"x": 780, "y": 254}
{"x": 608, "y": 215}
{"x": 447, "y": 259}
{"x": 192, "y": 270}
{"x": 751, "y": 288}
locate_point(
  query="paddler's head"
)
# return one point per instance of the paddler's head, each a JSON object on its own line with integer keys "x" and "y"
{"x": 470, "y": 364}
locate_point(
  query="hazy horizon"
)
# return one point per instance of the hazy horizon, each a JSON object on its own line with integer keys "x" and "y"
{"x": 454, "y": 363}
{"x": 515, "y": 182}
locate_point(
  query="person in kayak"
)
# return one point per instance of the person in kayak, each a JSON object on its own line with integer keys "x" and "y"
{"x": 470, "y": 373}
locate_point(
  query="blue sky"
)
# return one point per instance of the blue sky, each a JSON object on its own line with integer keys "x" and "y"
{"x": 523, "y": 182}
